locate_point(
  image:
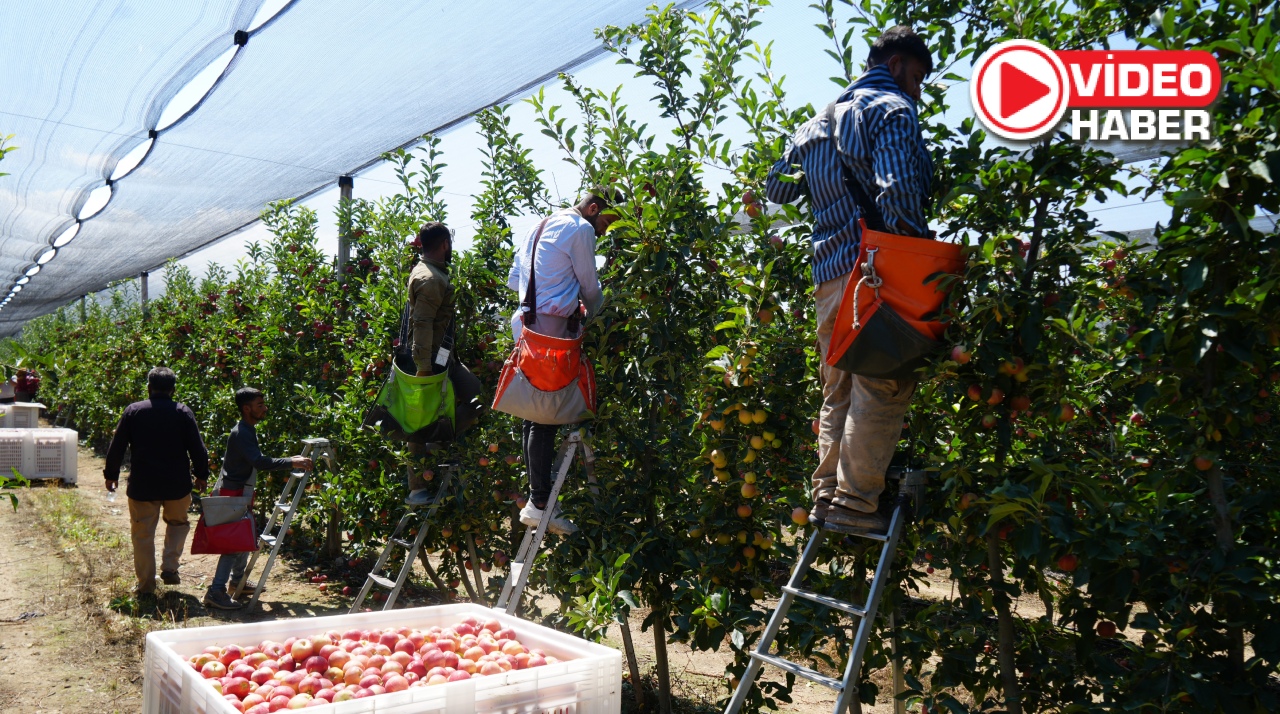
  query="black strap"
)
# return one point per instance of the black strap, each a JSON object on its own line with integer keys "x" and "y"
{"x": 406, "y": 336}
{"x": 530, "y": 302}
{"x": 870, "y": 212}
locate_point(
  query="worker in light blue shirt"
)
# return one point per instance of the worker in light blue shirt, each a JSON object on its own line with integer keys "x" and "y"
{"x": 862, "y": 158}
{"x": 566, "y": 284}
{"x": 565, "y": 265}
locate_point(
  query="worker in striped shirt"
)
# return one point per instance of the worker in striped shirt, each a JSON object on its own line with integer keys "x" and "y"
{"x": 863, "y": 157}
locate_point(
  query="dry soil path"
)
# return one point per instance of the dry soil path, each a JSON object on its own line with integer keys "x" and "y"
{"x": 71, "y": 637}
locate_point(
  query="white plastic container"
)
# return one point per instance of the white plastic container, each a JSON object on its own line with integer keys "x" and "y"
{"x": 54, "y": 454}
{"x": 588, "y": 681}
{"x": 22, "y": 415}
{"x": 14, "y": 450}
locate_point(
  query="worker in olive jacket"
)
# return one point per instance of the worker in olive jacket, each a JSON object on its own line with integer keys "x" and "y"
{"x": 431, "y": 312}
{"x": 430, "y": 296}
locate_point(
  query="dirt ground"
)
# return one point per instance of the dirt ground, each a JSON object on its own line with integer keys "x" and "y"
{"x": 72, "y": 635}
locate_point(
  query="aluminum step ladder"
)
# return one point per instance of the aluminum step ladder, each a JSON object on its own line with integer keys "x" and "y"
{"x": 377, "y": 576}
{"x": 518, "y": 576}
{"x": 910, "y": 489}
{"x": 273, "y": 535}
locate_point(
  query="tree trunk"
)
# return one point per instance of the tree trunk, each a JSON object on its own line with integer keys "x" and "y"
{"x": 660, "y": 659}
{"x": 333, "y": 534}
{"x": 466, "y": 579}
{"x": 1226, "y": 540}
{"x": 629, "y": 647}
{"x": 431, "y": 571}
{"x": 1005, "y": 635}
{"x": 475, "y": 569}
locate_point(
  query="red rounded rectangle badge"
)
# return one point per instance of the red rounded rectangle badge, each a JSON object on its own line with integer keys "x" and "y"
{"x": 1128, "y": 79}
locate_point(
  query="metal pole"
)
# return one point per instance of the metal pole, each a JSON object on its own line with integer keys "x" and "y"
{"x": 345, "y": 184}
{"x": 142, "y": 282}
{"x": 84, "y": 315}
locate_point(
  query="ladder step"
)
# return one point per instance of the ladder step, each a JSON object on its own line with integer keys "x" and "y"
{"x": 829, "y": 526}
{"x": 800, "y": 671}
{"x": 268, "y": 539}
{"x": 384, "y": 582}
{"x": 284, "y": 507}
{"x": 402, "y": 543}
{"x": 826, "y": 601}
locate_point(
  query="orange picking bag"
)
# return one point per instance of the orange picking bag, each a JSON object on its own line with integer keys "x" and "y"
{"x": 888, "y": 325}
{"x": 546, "y": 380}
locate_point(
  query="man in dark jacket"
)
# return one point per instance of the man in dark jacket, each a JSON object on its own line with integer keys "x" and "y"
{"x": 870, "y": 137}
{"x": 240, "y": 467}
{"x": 166, "y": 450}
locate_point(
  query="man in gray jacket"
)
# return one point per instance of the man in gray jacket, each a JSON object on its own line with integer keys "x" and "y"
{"x": 240, "y": 467}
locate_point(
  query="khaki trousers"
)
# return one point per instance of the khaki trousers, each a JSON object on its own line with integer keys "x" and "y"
{"x": 860, "y": 422}
{"x": 144, "y": 516}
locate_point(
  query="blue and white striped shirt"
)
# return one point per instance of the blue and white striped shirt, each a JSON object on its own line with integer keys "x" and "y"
{"x": 881, "y": 144}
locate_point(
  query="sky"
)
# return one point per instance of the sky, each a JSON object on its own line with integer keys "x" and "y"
{"x": 798, "y": 56}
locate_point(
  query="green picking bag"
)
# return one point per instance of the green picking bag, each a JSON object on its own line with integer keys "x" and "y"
{"x": 421, "y": 409}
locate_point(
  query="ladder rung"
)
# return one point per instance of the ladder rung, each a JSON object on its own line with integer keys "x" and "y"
{"x": 384, "y": 582}
{"x": 268, "y": 539}
{"x": 402, "y": 543}
{"x": 284, "y": 507}
{"x": 862, "y": 533}
{"x": 800, "y": 671}
{"x": 826, "y": 601}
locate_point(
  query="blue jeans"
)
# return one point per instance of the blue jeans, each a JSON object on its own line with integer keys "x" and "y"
{"x": 230, "y": 566}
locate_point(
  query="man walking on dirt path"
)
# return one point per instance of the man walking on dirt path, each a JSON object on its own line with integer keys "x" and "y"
{"x": 166, "y": 449}
{"x": 876, "y": 154}
{"x": 240, "y": 469}
{"x": 567, "y": 292}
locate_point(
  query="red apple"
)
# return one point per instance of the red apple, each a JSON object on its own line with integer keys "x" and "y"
{"x": 1106, "y": 629}
{"x": 1068, "y": 563}
{"x": 960, "y": 354}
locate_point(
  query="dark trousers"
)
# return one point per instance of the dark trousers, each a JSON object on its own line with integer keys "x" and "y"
{"x": 539, "y": 452}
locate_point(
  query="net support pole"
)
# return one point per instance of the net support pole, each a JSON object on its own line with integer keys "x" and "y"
{"x": 142, "y": 287}
{"x": 84, "y": 315}
{"x": 345, "y": 184}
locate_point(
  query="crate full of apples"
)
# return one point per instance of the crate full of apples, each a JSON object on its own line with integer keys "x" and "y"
{"x": 451, "y": 658}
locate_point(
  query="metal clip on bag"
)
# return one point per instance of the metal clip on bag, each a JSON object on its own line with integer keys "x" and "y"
{"x": 546, "y": 380}
{"x": 888, "y": 325}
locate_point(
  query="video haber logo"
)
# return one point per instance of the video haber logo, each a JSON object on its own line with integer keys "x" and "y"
{"x": 1021, "y": 90}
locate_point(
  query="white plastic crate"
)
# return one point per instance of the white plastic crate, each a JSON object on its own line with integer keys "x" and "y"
{"x": 21, "y": 415}
{"x": 13, "y": 451}
{"x": 54, "y": 454}
{"x": 587, "y": 681}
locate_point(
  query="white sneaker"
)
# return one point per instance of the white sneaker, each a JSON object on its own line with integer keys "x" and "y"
{"x": 531, "y": 516}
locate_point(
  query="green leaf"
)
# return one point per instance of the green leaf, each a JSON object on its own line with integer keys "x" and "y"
{"x": 1195, "y": 274}
{"x": 1259, "y": 168}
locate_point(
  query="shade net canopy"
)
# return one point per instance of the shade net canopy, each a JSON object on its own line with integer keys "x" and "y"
{"x": 318, "y": 91}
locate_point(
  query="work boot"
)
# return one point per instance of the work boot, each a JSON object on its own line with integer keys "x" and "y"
{"x": 420, "y": 497}
{"x": 819, "y": 512}
{"x": 839, "y": 518}
{"x": 219, "y": 600}
{"x": 170, "y": 577}
{"x": 531, "y": 516}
